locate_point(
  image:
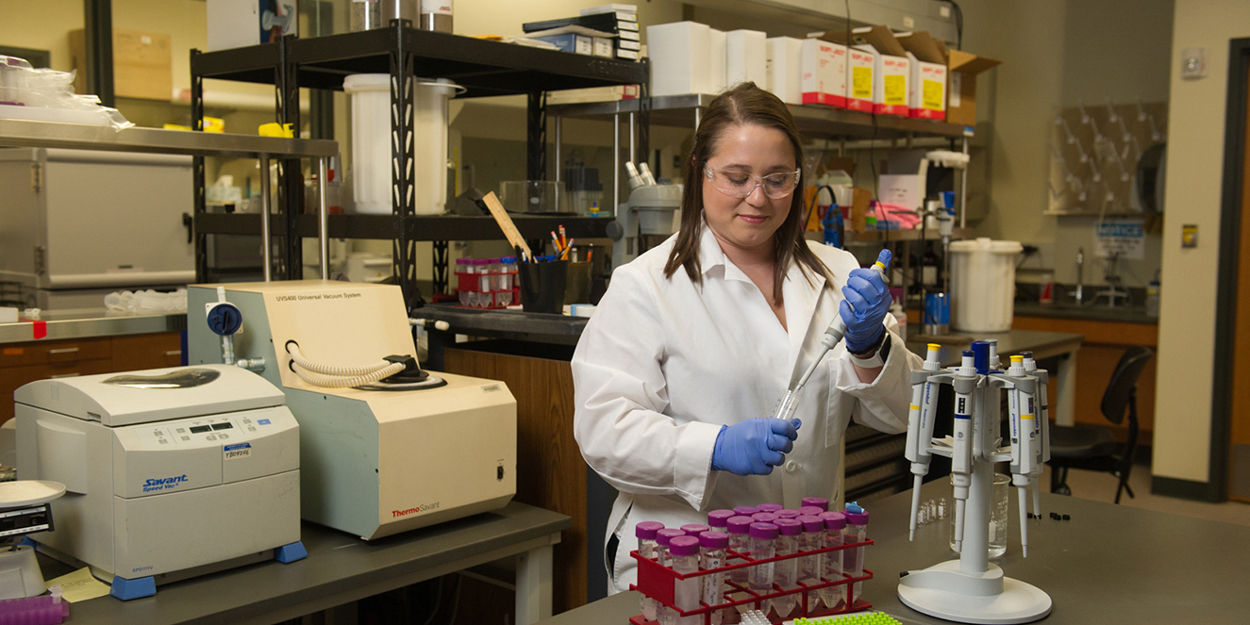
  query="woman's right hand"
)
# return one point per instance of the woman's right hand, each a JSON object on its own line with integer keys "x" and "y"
{"x": 754, "y": 446}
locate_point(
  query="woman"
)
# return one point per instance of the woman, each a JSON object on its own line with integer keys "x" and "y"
{"x": 695, "y": 342}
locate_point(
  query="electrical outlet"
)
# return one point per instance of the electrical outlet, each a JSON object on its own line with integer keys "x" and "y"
{"x": 909, "y": 22}
{"x": 1194, "y": 63}
{"x": 944, "y": 11}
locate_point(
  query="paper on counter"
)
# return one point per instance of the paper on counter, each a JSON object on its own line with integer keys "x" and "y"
{"x": 80, "y": 585}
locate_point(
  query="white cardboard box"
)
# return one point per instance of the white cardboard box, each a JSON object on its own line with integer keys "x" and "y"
{"x": 861, "y": 83}
{"x": 784, "y": 68}
{"x": 745, "y": 57}
{"x": 823, "y": 79}
{"x": 680, "y": 58}
{"x": 890, "y": 73}
{"x": 717, "y": 54}
{"x": 926, "y": 97}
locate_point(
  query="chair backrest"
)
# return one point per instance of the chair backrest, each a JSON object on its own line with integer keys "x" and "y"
{"x": 1124, "y": 382}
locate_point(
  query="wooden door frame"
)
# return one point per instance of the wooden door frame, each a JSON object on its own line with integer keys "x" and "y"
{"x": 1230, "y": 250}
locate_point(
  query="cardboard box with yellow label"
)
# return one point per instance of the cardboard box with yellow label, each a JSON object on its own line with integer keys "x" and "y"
{"x": 927, "y": 95}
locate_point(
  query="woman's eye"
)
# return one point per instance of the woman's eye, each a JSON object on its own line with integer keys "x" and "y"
{"x": 738, "y": 180}
{"x": 775, "y": 182}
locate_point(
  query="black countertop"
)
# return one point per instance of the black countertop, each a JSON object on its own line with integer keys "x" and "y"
{"x": 1087, "y": 312}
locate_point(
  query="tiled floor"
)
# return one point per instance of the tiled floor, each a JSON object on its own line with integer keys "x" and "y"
{"x": 1101, "y": 487}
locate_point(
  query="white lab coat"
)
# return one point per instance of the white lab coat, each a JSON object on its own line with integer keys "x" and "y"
{"x": 663, "y": 364}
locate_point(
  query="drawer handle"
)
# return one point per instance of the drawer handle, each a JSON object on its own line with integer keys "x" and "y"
{"x": 64, "y": 350}
{"x": 64, "y": 375}
{"x": 175, "y": 352}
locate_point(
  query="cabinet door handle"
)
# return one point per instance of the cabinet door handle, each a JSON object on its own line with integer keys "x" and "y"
{"x": 174, "y": 352}
{"x": 64, "y": 350}
{"x": 64, "y": 375}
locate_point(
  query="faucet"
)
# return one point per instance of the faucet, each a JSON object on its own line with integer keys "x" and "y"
{"x": 1113, "y": 279}
{"x": 1080, "y": 268}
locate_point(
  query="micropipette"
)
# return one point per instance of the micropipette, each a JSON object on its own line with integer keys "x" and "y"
{"x": 832, "y": 335}
{"x": 920, "y": 426}
{"x": 1022, "y": 405}
{"x": 965, "y": 383}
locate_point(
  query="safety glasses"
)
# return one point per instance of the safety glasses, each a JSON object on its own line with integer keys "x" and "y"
{"x": 738, "y": 184}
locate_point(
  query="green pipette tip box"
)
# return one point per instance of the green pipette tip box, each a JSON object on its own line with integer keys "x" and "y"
{"x": 859, "y": 618}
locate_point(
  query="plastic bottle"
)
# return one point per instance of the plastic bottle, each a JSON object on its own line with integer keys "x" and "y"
{"x": 812, "y": 539}
{"x": 718, "y": 520}
{"x": 856, "y": 532}
{"x": 684, "y": 551}
{"x": 785, "y": 572}
{"x": 770, "y": 507}
{"x": 745, "y": 510}
{"x": 712, "y": 547}
{"x": 788, "y": 514}
{"x": 835, "y": 596}
{"x": 1152, "y": 296}
{"x": 764, "y": 517}
{"x": 811, "y": 511}
{"x": 763, "y": 547}
{"x": 900, "y": 315}
{"x": 694, "y": 529}
{"x": 663, "y": 540}
{"x": 739, "y": 542}
{"x": 645, "y": 532}
{"x": 819, "y": 502}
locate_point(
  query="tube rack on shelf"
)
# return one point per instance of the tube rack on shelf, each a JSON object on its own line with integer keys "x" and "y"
{"x": 657, "y": 582}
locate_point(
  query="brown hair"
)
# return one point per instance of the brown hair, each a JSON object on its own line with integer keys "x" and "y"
{"x": 742, "y": 105}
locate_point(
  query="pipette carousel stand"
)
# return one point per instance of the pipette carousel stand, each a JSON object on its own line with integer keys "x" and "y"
{"x": 970, "y": 589}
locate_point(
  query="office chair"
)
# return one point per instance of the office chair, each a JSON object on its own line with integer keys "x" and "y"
{"x": 1092, "y": 447}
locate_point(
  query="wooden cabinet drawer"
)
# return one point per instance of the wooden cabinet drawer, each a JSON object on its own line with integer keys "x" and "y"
{"x": 147, "y": 351}
{"x": 51, "y": 352}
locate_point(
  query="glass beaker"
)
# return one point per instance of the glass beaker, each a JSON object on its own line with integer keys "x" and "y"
{"x": 998, "y": 516}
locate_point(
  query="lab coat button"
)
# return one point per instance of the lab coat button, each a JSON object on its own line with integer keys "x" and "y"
{"x": 792, "y": 466}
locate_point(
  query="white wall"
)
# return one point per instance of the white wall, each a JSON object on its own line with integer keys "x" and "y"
{"x": 1195, "y": 166}
{"x": 1056, "y": 54}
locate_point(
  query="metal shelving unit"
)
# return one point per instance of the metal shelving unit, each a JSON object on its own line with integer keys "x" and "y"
{"x": 813, "y": 121}
{"x": 39, "y": 134}
{"x": 484, "y": 68}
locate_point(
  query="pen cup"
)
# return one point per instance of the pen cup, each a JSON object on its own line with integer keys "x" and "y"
{"x": 577, "y": 287}
{"x": 542, "y": 285}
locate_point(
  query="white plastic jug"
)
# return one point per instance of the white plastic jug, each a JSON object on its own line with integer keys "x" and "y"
{"x": 983, "y": 284}
{"x": 371, "y": 143}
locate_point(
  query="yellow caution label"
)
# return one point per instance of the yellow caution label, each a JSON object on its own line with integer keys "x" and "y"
{"x": 895, "y": 90}
{"x": 1026, "y": 416}
{"x": 931, "y": 95}
{"x": 861, "y": 83}
{"x": 915, "y": 407}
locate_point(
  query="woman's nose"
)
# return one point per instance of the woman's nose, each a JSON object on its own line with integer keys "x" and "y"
{"x": 756, "y": 197}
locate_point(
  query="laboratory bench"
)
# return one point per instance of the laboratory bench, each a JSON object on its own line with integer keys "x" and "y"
{"x": 84, "y": 342}
{"x": 1104, "y": 565}
{"x": 530, "y": 352}
{"x": 341, "y": 568}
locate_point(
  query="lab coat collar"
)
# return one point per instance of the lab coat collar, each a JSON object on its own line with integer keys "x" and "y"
{"x": 800, "y": 299}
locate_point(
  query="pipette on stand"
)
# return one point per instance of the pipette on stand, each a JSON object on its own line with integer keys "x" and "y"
{"x": 965, "y": 384}
{"x": 1043, "y": 424}
{"x": 920, "y": 427}
{"x": 1023, "y": 436}
{"x": 833, "y": 334}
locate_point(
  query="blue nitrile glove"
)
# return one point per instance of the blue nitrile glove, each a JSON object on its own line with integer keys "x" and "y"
{"x": 866, "y": 300}
{"x": 754, "y": 446}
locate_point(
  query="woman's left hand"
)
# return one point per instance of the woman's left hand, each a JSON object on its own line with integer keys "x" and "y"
{"x": 866, "y": 300}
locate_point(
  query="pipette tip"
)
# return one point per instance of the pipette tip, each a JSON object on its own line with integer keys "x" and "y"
{"x": 911, "y": 536}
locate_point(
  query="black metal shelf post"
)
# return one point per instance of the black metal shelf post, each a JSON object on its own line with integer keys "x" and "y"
{"x": 484, "y": 68}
